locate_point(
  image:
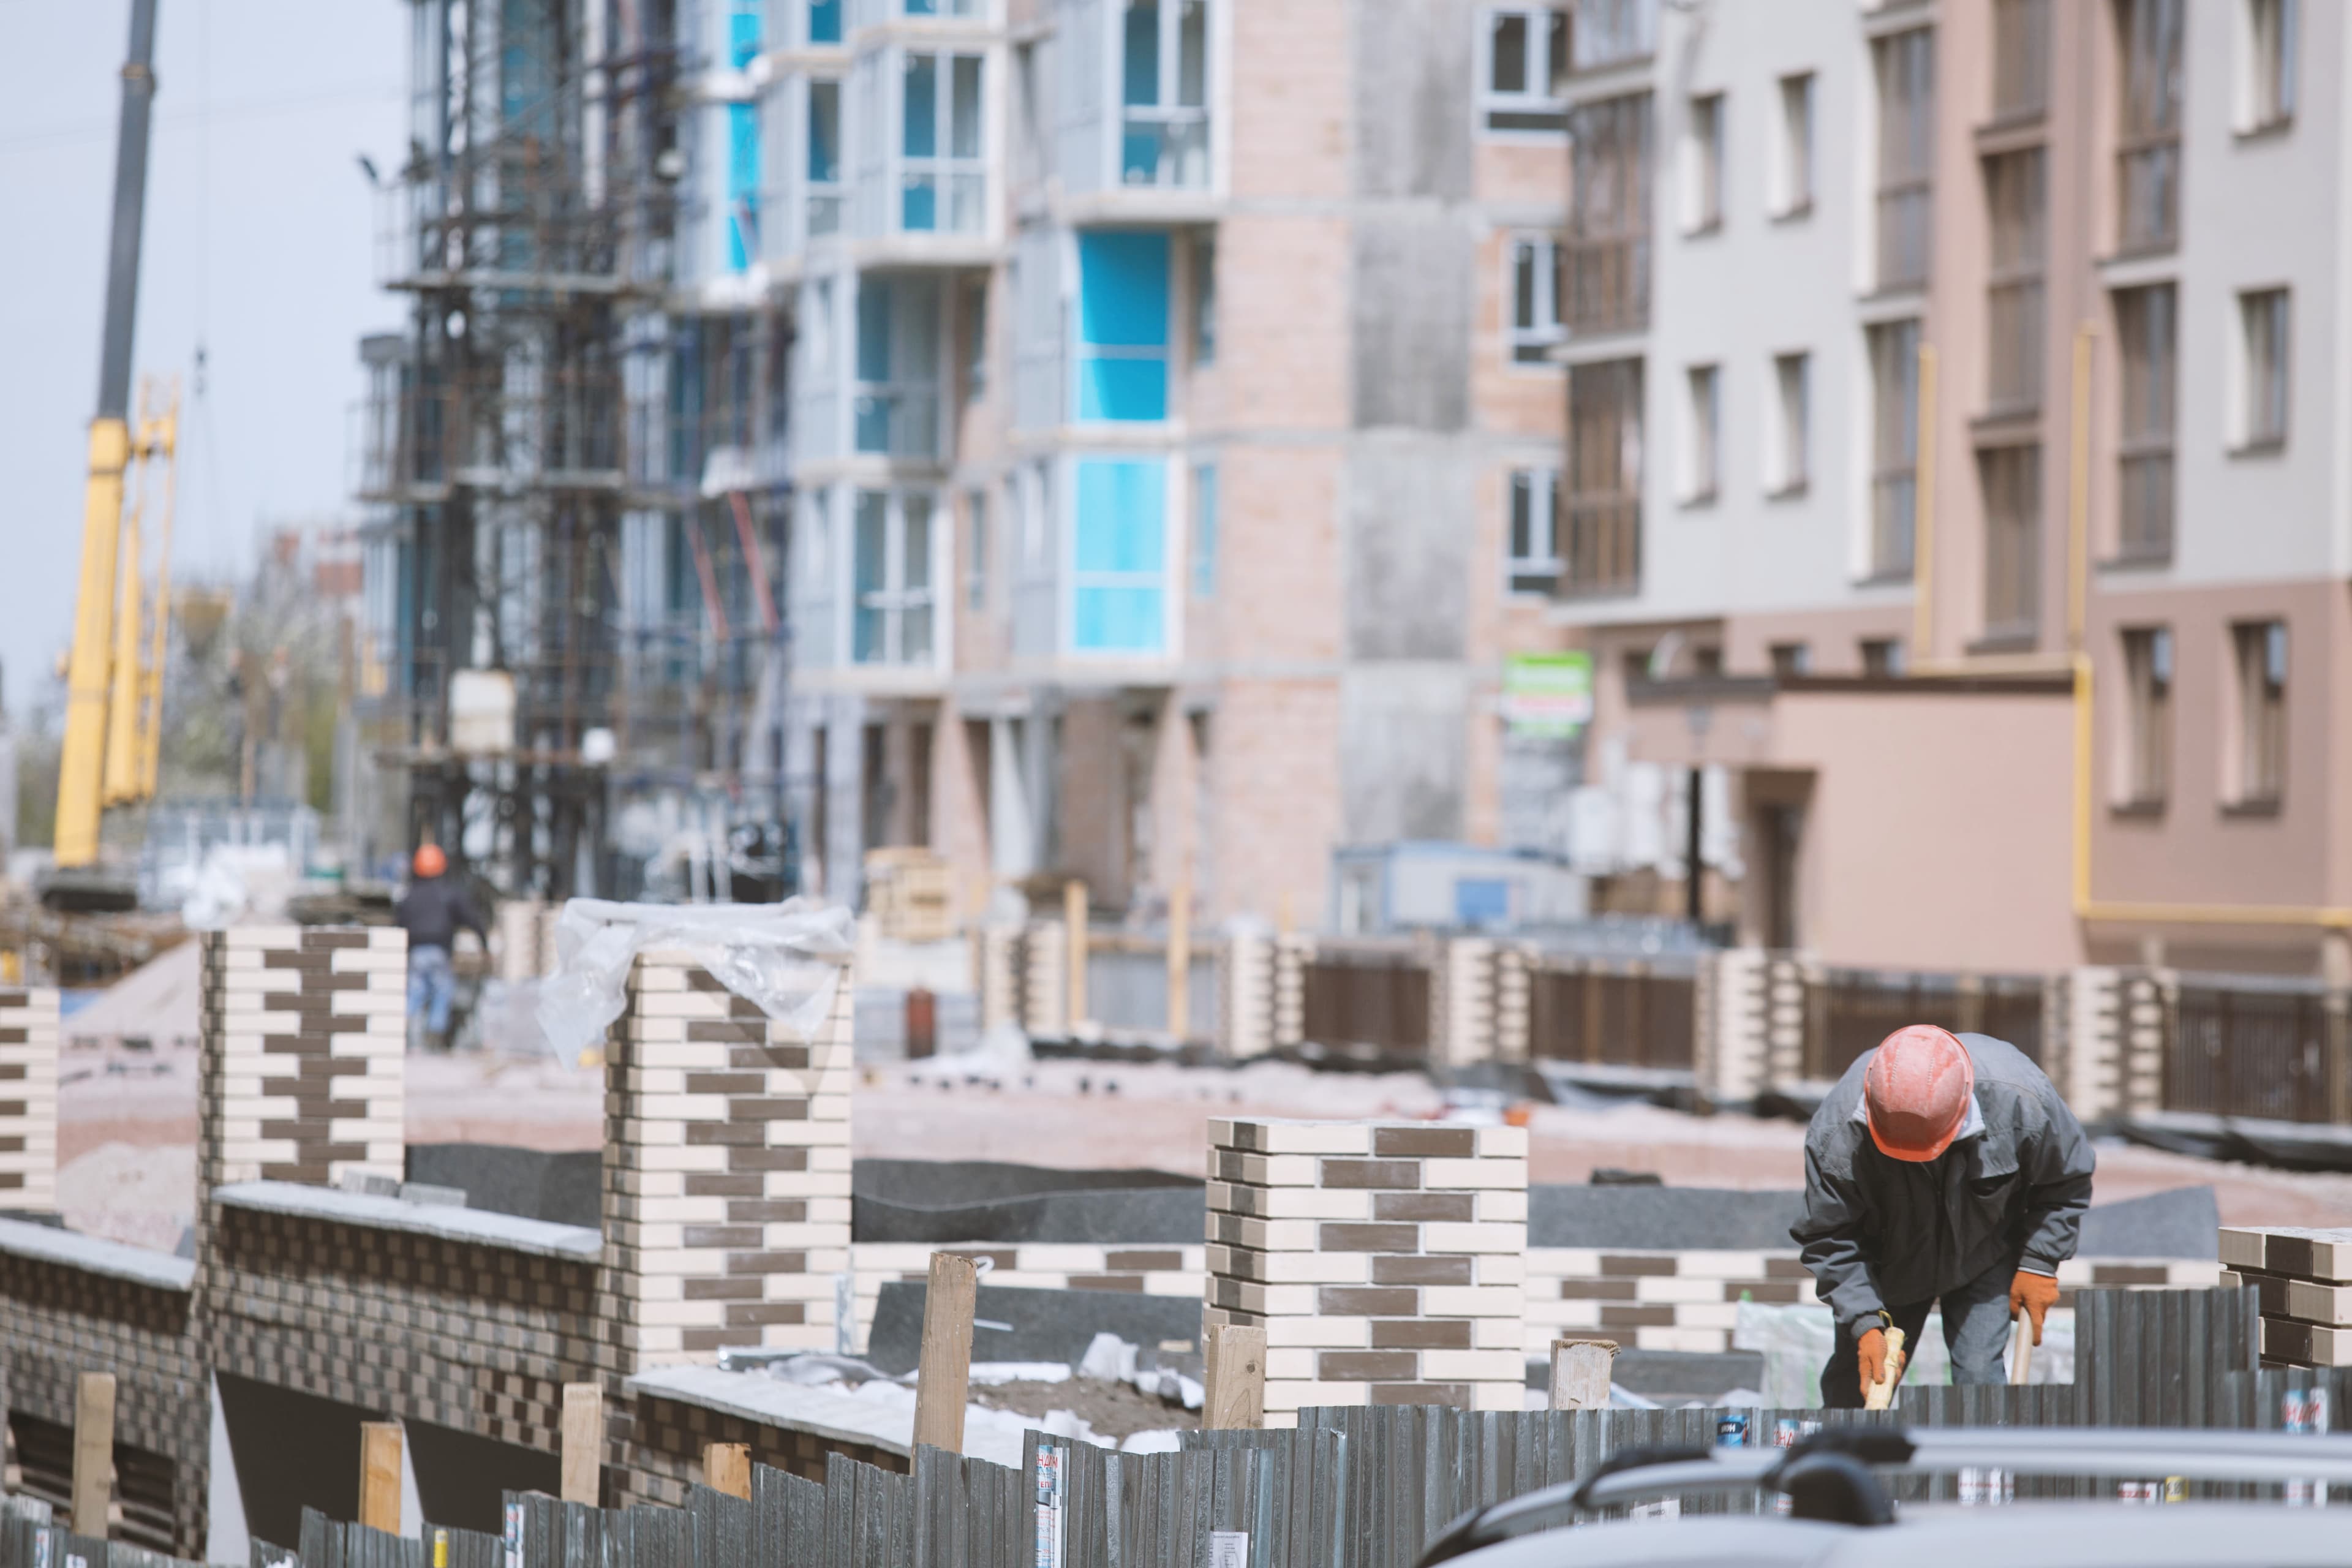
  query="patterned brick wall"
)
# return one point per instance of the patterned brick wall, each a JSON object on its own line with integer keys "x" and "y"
{"x": 1385, "y": 1261}
{"x": 1141, "y": 1269}
{"x": 726, "y": 1171}
{"x": 300, "y": 1072}
{"x": 28, "y": 1099}
{"x": 667, "y": 1459}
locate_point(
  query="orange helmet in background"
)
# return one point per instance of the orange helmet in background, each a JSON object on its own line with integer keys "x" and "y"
{"x": 1916, "y": 1091}
{"x": 430, "y": 861}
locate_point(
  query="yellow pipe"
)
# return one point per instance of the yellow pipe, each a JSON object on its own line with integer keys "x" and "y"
{"x": 119, "y": 773}
{"x": 1923, "y": 519}
{"x": 79, "y": 761}
{"x": 151, "y": 731}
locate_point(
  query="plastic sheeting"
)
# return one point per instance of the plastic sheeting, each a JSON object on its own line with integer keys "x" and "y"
{"x": 1796, "y": 1340}
{"x": 784, "y": 957}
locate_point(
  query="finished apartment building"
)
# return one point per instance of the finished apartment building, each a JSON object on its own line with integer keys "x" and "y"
{"x": 1958, "y": 397}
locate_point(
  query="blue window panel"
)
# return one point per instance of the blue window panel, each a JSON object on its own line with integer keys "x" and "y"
{"x": 1123, "y": 288}
{"x": 823, "y": 132}
{"x": 1117, "y": 620}
{"x": 920, "y": 117}
{"x": 1481, "y": 900}
{"x": 1141, "y": 77}
{"x": 922, "y": 8}
{"x": 824, "y": 21}
{"x": 1139, "y": 156}
{"x": 1123, "y": 389}
{"x": 919, "y": 204}
{"x": 873, "y": 330}
{"x": 743, "y": 185}
{"x": 1204, "y": 532}
{"x": 743, "y": 35}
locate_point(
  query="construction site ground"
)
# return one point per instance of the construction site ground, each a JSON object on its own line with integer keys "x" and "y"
{"x": 127, "y": 1119}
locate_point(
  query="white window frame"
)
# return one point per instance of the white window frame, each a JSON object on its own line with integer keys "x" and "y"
{"x": 977, "y": 546}
{"x": 1795, "y": 113}
{"x": 1526, "y": 99}
{"x": 1536, "y": 572}
{"x": 2244, "y": 371}
{"x": 833, "y": 192}
{"x": 2267, "y": 97}
{"x": 896, "y": 596}
{"x": 1701, "y": 478}
{"x": 1702, "y": 162}
{"x": 1788, "y": 455}
{"x": 1531, "y": 344}
{"x": 1168, "y": 111}
{"x": 944, "y": 167}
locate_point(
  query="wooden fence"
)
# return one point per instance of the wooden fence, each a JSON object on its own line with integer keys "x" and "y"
{"x": 1614, "y": 1013}
{"x": 2275, "y": 1052}
{"x": 1851, "y": 1010}
{"x": 1368, "y": 1003}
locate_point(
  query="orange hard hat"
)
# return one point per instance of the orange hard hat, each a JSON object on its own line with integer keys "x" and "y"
{"x": 430, "y": 861}
{"x": 1916, "y": 1091}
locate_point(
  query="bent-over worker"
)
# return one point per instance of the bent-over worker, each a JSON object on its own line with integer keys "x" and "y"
{"x": 1944, "y": 1168}
{"x": 433, "y": 910}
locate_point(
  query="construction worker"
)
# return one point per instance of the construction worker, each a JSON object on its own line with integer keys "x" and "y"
{"x": 1944, "y": 1168}
{"x": 433, "y": 910}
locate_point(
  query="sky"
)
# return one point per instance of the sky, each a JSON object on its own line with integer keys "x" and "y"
{"x": 259, "y": 244}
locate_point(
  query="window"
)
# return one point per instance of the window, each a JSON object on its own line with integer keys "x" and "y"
{"x": 1785, "y": 472}
{"x": 1122, "y": 310}
{"x": 1533, "y": 548}
{"x": 824, "y": 21}
{"x": 1614, "y": 32}
{"x": 1204, "y": 299}
{"x": 1600, "y": 552}
{"x": 2020, "y": 60}
{"x": 1701, "y": 434}
{"x": 2016, "y": 204}
{"x": 1608, "y": 271}
{"x": 2146, "y": 776}
{"x": 1119, "y": 563}
{"x": 976, "y": 547}
{"x": 943, "y": 177}
{"x": 1164, "y": 88}
{"x": 1905, "y": 67}
{"x": 1707, "y": 660}
{"x": 891, "y": 578}
{"x": 1790, "y": 191}
{"x": 1791, "y": 658}
{"x": 1204, "y": 530}
{"x": 2148, "y": 333}
{"x": 2267, "y": 57}
{"x": 1524, "y": 70}
{"x": 824, "y": 215}
{"x": 2011, "y": 478}
{"x": 1883, "y": 659}
{"x": 1535, "y": 300}
{"x": 975, "y": 338}
{"x": 1895, "y": 446}
{"x": 897, "y": 408}
{"x": 742, "y": 143}
{"x": 2148, "y": 139}
{"x": 2260, "y": 648}
{"x": 2263, "y": 386}
{"x": 1703, "y": 166}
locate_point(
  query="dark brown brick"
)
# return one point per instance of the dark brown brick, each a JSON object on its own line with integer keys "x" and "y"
{"x": 1128, "y": 1282}
{"x": 767, "y": 1263}
{"x": 726, "y": 1083}
{"x": 1420, "y": 1271}
{"x": 1344, "y": 1237}
{"x": 754, "y": 1314}
{"x": 1785, "y": 1268}
{"x": 1780, "y": 1291}
{"x": 1421, "y": 1334}
{"x": 723, "y": 1289}
{"x": 721, "y": 1184}
{"x": 727, "y": 1236}
{"x": 703, "y": 1134}
{"x": 768, "y": 1211}
{"x": 725, "y": 1031}
{"x": 1425, "y": 1143}
{"x": 1144, "y": 1262}
{"x": 1624, "y": 1266}
{"x": 762, "y": 1159}
{"x": 2130, "y": 1274}
{"x": 757, "y": 1109}
{"x": 1656, "y": 1316}
{"x": 1459, "y": 1208}
{"x": 1366, "y": 1301}
{"x": 11, "y": 1072}
{"x": 1366, "y": 1366}
{"x": 1391, "y": 1173}
{"x": 793, "y": 1058}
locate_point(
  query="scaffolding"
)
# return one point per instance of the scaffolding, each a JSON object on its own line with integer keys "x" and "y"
{"x": 571, "y": 478}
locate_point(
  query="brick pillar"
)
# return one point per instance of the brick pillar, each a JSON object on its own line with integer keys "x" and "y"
{"x": 1386, "y": 1262}
{"x": 1044, "y": 979}
{"x": 2149, "y": 1001}
{"x": 1789, "y": 982}
{"x": 1461, "y": 1002}
{"x": 1245, "y": 994}
{"x": 28, "y": 1099}
{"x": 1733, "y": 1044}
{"x": 1514, "y": 1003}
{"x": 303, "y": 1040}
{"x": 1292, "y": 954}
{"x": 726, "y": 1203}
{"x": 996, "y": 974}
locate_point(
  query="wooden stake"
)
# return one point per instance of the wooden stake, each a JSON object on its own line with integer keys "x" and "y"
{"x": 1074, "y": 930}
{"x": 2021, "y": 1353}
{"x": 1579, "y": 1373}
{"x": 1179, "y": 961}
{"x": 943, "y": 1375}
{"x": 93, "y": 1453}
{"x": 1881, "y": 1395}
{"x": 727, "y": 1468}
{"x": 584, "y": 1443}
{"x": 1236, "y": 1393}
{"x": 380, "y": 1476}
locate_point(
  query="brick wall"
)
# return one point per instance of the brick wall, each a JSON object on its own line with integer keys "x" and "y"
{"x": 1143, "y": 1268}
{"x": 28, "y": 1099}
{"x": 1385, "y": 1261}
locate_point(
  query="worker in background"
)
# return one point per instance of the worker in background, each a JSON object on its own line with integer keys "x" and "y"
{"x": 1944, "y": 1168}
{"x": 433, "y": 910}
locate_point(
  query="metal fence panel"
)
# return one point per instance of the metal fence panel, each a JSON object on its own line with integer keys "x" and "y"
{"x": 2236, "y": 1051}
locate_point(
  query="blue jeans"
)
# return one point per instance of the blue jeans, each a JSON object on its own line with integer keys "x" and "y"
{"x": 431, "y": 984}
{"x": 1976, "y": 1331}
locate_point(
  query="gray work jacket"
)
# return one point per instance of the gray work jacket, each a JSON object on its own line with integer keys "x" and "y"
{"x": 1879, "y": 1232}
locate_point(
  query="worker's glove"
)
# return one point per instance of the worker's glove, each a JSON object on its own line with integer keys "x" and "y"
{"x": 2034, "y": 1294}
{"x": 1870, "y": 1352}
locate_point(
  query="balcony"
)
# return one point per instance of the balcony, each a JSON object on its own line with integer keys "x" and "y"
{"x": 1164, "y": 149}
{"x": 1601, "y": 550}
{"x": 896, "y": 419}
{"x": 522, "y": 430}
{"x": 1608, "y": 285}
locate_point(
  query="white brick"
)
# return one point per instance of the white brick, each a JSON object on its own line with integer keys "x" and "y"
{"x": 1442, "y": 1175}
{"x": 1321, "y": 1333}
{"x": 1291, "y": 1202}
{"x": 1673, "y": 1288}
{"x": 1471, "y": 1366}
{"x": 1502, "y": 1143}
{"x": 1440, "y": 1236}
{"x": 1472, "y": 1301}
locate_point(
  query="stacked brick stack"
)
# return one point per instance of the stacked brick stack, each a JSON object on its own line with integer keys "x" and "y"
{"x": 304, "y": 1031}
{"x": 1385, "y": 1262}
{"x": 2304, "y": 1280}
{"x": 28, "y": 1099}
{"x": 726, "y": 1171}
{"x": 526, "y": 933}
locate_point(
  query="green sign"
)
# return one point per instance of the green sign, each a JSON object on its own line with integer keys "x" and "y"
{"x": 1547, "y": 696}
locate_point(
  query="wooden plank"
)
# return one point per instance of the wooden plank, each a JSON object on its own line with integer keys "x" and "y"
{"x": 943, "y": 1374}
{"x": 1579, "y": 1373}
{"x": 584, "y": 1443}
{"x": 1236, "y": 1373}
{"x": 93, "y": 1452}
{"x": 380, "y": 1476}
{"x": 1179, "y": 961}
{"x": 727, "y": 1468}
{"x": 1073, "y": 931}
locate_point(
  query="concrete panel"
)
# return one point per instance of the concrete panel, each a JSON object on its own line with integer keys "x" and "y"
{"x": 1412, "y": 81}
{"x": 1401, "y": 750}
{"x": 1407, "y": 551}
{"x": 1411, "y": 309}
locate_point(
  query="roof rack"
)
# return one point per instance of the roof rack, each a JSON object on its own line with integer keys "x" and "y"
{"x": 1828, "y": 1473}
